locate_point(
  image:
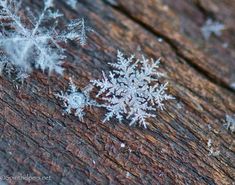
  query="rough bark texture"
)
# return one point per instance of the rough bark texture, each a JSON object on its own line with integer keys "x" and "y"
{"x": 37, "y": 140}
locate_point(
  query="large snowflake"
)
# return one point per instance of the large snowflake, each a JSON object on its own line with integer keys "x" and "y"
{"x": 34, "y": 41}
{"x": 133, "y": 90}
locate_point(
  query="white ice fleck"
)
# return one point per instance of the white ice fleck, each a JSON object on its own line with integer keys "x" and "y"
{"x": 209, "y": 143}
{"x": 225, "y": 45}
{"x": 230, "y": 123}
{"x": 72, "y": 3}
{"x": 212, "y": 151}
{"x": 160, "y": 39}
{"x": 179, "y": 105}
{"x": 232, "y": 85}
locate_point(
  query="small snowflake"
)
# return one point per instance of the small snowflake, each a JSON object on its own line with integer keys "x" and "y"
{"x": 211, "y": 27}
{"x": 77, "y": 100}
{"x": 133, "y": 89}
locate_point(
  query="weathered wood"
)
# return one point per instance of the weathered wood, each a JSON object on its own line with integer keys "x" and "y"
{"x": 37, "y": 140}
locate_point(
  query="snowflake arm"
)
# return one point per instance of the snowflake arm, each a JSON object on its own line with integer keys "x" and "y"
{"x": 77, "y": 30}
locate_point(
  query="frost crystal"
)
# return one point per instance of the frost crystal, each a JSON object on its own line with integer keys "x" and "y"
{"x": 211, "y": 27}
{"x": 27, "y": 42}
{"x": 77, "y": 100}
{"x": 133, "y": 89}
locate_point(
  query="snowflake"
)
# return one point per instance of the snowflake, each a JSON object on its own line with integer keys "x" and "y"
{"x": 211, "y": 27}
{"x": 75, "y": 99}
{"x": 133, "y": 89}
{"x": 230, "y": 123}
{"x": 27, "y": 42}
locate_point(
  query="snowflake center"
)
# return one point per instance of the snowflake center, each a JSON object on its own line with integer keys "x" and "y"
{"x": 76, "y": 100}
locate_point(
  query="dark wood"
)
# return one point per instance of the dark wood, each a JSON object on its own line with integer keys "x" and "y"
{"x": 37, "y": 140}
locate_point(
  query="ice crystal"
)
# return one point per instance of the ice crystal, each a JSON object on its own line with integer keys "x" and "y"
{"x": 29, "y": 42}
{"x": 77, "y": 100}
{"x": 211, "y": 27}
{"x": 132, "y": 89}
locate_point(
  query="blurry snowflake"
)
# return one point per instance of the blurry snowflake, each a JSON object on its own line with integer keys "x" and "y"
{"x": 28, "y": 42}
{"x": 210, "y": 28}
{"x": 230, "y": 123}
{"x": 75, "y": 99}
{"x": 133, "y": 89}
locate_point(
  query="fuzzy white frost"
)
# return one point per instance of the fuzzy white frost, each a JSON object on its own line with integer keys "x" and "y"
{"x": 133, "y": 89}
{"x": 29, "y": 42}
{"x": 77, "y": 100}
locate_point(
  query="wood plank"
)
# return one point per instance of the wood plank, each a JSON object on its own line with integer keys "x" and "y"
{"x": 173, "y": 150}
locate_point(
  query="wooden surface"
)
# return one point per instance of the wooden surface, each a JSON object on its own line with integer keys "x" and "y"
{"x": 37, "y": 140}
